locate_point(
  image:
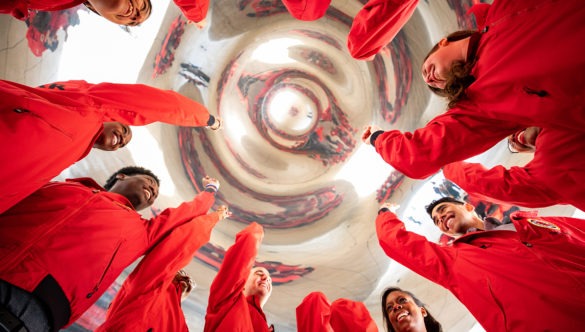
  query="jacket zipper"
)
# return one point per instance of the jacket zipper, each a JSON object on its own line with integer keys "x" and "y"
{"x": 25, "y": 111}
{"x": 97, "y": 286}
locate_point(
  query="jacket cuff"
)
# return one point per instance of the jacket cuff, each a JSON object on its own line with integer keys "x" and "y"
{"x": 211, "y": 188}
{"x": 374, "y": 136}
{"x": 384, "y": 209}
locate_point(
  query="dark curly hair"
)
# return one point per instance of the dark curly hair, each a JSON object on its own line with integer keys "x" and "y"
{"x": 436, "y": 202}
{"x": 130, "y": 170}
{"x": 459, "y": 77}
{"x": 431, "y": 324}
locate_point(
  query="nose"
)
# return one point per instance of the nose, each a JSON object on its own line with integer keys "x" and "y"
{"x": 397, "y": 307}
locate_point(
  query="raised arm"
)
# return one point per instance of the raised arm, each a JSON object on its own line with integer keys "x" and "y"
{"x": 516, "y": 185}
{"x": 314, "y": 313}
{"x": 235, "y": 268}
{"x": 306, "y": 10}
{"x": 447, "y": 138}
{"x": 194, "y": 10}
{"x": 156, "y": 271}
{"x": 348, "y": 315}
{"x": 412, "y": 250}
{"x": 376, "y": 24}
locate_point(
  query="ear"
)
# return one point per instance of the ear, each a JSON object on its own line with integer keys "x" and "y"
{"x": 443, "y": 42}
{"x": 469, "y": 207}
{"x": 121, "y": 176}
{"x": 424, "y": 312}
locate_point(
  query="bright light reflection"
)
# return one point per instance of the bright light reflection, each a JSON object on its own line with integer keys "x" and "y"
{"x": 366, "y": 170}
{"x": 275, "y": 51}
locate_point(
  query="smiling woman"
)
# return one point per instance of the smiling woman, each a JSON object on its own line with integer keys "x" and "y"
{"x": 402, "y": 311}
{"x": 124, "y": 12}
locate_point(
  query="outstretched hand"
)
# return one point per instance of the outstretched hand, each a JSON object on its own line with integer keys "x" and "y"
{"x": 368, "y": 132}
{"x": 393, "y": 207}
{"x": 209, "y": 181}
{"x": 223, "y": 212}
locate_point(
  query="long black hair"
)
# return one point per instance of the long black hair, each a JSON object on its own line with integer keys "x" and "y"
{"x": 431, "y": 324}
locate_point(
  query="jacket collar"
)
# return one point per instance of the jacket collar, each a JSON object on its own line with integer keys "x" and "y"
{"x": 90, "y": 183}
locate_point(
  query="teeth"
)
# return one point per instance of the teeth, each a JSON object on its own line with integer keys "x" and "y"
{"x": 401, "y": 315}
{"x": 115, "y": 140}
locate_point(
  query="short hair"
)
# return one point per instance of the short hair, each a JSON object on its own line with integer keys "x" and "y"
{"x": 436, "y": 202}
{"x": 431, "y": 324}
{"x": 129, "y": 170}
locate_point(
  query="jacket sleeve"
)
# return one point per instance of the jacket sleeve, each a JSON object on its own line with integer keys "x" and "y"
{"x": 376, "y": 24}
{"x": 347, "y": 316}
{"x": 170, "y": 218}
{"x": 314, "y": 313}
{"x": 414, "y": 251}
{"x": 136, "y": 104}
{"x": 235, "y": 268}
{"x": 307, "y": 10}
{"x": 447, "y": 138}
{"x": 194, "y": 10}
{"x": 514, "y": 186}
{"x": 156, "y": 271}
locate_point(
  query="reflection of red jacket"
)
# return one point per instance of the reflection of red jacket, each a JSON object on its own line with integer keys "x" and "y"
{"x": 194, "y": 10}
{"x": 82, "y": 236}
{"x": 519, "y": 83}
{"x": 554, "y": 176}
{"x": 316, "y": 314}
{"x": 19, "y": 8}
{"x": 529, "y": 280}
{"x": 149, "y": 300}
{"x": 228, "y": 310}
{"x": 376, "y": 24}
{"x": 51, "y": 128}
{"x": 307, "y": 10}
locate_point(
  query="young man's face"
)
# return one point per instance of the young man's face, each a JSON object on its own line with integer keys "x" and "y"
{"x": 403, "y": 313}
{"x": 259, "y": 283}
{"x": 453, "y": 219}
{"x": 115, "y": 135}
{"x": 141, "y": 190}
{"x": 123, "y": 12}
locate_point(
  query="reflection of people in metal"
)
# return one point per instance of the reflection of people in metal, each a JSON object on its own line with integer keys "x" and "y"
{"x": 404, "y": 312}
{"x": 239, "y": 291}
{"x": 494, "y": 270}
{"x": 82, "y": 225}
{"x": 43, "y": 27}
{"x": 194, "y": 74}
{"x": 166, "y": 55}
{"x": 555, "y": 175}
{"x": 315, "y": 313}
{"x": 150, "y": 298}
{"x": 57, "y": 124}
{"x": 508, "y": 82}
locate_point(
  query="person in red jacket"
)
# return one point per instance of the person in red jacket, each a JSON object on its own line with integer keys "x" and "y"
{"x": 122, "y": 12}
{"x": 239, "y": 290}
{"x": 315, "y": 313}
{"x": 554, "y": 176}
{"x": 374, "y": 26}
{"x": 523, "y": 140}
{"x": 150, "y": 298}
{"x": 506, "y": 81}
{"x": 404, "y": 312}
{"x": 522, "y": 276}
{"x": 194, "y": 10}
{"x": 51, "y": 127}
{"x": 66, "y": 243}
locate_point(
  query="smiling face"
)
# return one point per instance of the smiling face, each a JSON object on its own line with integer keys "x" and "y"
{"x": 114, "y": 136}
{"x": 123, "y": 12}
{"x": 403, "y": 313}
{"x": 141, "y": 190}
{"x": 259, "y": 284}
{"x": 455, "y": 219}
{"x": 436, "y": 67}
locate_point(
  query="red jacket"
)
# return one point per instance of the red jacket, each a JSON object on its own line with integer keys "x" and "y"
{"x": 149, "y": 300}
{"x": 51, "y": 128}
{"x": 519, "y": 84}
{"x": 554, "y": 176}
{"x": 19, "y": 8}
{"x": 529, "y": 280}
{"x": 81, "y": 235}
{"x": 194, "y": 10}
{"x": 307, "y": 10}
{"x": 228, "y": 310}
{"x": 376, "y": 24}
{"x": 316, "y": 314}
